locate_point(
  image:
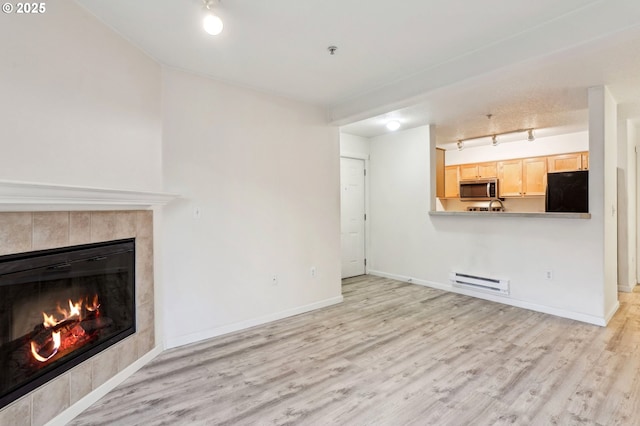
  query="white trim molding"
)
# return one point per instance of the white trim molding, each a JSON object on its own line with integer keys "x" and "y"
{"x": 578, "y": 316}
{"x": 74, "y": 410}
{"x": 29, "y": 196}
{"x": 356, "y": 155}
{"x": 243, "y": 325}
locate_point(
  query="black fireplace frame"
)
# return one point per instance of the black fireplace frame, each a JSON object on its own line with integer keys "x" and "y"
{"x": 66, "y": 254}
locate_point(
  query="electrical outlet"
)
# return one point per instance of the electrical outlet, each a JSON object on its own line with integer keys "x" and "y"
{"x": 274, "y": 280}
{"x": 312, "y": 271}
{"x": 548, "y": 275}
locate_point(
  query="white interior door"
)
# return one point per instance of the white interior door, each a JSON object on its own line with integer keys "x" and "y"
{"x": 352, "y": 216}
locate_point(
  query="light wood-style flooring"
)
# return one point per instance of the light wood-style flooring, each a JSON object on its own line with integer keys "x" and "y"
{"x": 394, "y": 354}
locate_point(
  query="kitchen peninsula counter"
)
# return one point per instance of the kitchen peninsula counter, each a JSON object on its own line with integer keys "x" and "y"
{"x": 513, "y": 214}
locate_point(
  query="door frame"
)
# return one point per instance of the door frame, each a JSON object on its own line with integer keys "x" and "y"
{"x": 365, "y": 158}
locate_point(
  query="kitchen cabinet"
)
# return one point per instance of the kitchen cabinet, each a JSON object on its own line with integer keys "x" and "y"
{"x": 488, "y": 170}
{"x": 509, "y": 178}
{"x": 534, "y": 176}
{"x": 478, "y": 171}
{"x": 440, "y": 175}
{"x": 451, "y": 182}
{"x": 564, "y": 162}
{"x": 568, "y": 162}
{"x": 585, "y": 161}
{"x": 522, "y": 178}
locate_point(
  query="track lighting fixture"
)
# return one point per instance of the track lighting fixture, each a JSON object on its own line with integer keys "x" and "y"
{"x": 212, "y": 23}
{"x": 494, "y": 137}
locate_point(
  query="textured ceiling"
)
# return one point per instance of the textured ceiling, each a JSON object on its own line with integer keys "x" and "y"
{"x": 441, "y": 62}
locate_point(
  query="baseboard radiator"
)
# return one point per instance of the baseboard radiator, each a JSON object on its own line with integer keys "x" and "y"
{"x": 476, "y": 282}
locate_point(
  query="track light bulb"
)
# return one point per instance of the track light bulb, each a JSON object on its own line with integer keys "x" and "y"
{"x": 531, "y": 138}
{"x": 494, "y": 140}
{"x": 460, "y": 145}
{"x": 212, "y": 23}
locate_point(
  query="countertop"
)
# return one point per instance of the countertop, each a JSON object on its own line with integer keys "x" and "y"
{"x": 514, "y": 214}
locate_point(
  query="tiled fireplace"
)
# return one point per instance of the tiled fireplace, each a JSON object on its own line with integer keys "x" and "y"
{"x": 30, "y": 231}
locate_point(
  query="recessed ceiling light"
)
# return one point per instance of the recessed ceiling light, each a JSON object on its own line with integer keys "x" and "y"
{"x": 393, "y": 125}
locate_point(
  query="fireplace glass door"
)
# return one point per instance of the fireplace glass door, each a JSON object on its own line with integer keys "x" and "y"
{"x": 59, "y": 307}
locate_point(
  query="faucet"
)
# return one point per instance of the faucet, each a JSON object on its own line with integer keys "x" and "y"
{"x": 499, "y": 202}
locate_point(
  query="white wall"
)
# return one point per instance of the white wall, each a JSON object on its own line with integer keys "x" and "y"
{"x": 264, "y": 173}
{"x": 82, "y": 106}
{"x": 354, "y": 146}
{"x": 550, "y": 145}
{"x": 79, "y": 104}
{"x": 408, "y": 243}
{"x": 626, "y": 206}
{"x": 603, "y": 160}
{"x": 632, "y": 200}
{"x": 634, "y": 138}
{"x": 633, "y": 133}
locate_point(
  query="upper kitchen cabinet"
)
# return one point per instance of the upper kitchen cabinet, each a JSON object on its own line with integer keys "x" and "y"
{"x": 568, "y": 162}
{"x": 440, "y": 175}
{"x": 534, "y": 176}
{"x": 522, "y": 178}
{"x": 509, "y": 178}
{"x": 451, "y": 182}
{"x": 478, "y": 171}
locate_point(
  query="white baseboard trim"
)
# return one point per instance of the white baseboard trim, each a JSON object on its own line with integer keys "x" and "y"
{"x": 226, "y": 329}
{"x": 70, "y": 413}
{"x": 612, "y": 312}
{"x": 625, "y": 288}
{"x": 411, "y": 280}
{"x": 590, "y": 319}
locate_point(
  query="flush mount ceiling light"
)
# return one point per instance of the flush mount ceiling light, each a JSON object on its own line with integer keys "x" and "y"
{"x": 393, "y": 125}
{"x": 494, "y": 136}
{"x": 212, "y": 23}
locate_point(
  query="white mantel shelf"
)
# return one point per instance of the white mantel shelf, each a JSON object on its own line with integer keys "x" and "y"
{"x": 28, "y": 196}
{"x": 514, "y": 214}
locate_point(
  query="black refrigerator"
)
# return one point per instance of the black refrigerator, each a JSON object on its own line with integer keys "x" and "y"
{"x": 567, "y": 192}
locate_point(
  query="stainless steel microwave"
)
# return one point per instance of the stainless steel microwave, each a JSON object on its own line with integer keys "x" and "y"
{"x": 478, "y": 190}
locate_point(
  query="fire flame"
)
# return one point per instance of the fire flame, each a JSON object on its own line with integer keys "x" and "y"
{"x": 50, "y": 322}
{"x": 56, "y": 345}
{"x": 95, "y": 304}
{"x": 75, "y": 312}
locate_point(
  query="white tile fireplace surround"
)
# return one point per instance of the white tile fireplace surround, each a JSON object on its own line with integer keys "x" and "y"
{"x": 106, "y": 215}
